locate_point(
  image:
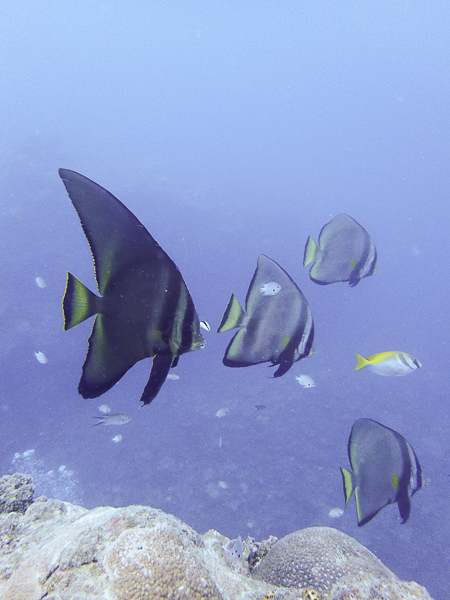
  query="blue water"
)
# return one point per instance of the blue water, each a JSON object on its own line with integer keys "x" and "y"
{"x": 232, "y": 130}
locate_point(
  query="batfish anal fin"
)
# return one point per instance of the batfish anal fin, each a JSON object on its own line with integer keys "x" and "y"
{"x": 161, "y": 366}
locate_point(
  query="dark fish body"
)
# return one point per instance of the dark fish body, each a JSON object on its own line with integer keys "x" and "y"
{"x": 145, "y": 309}
{"x": 385, "y": 470}
{"x": 276, "y": 328}
{"x": 345, "y": 252}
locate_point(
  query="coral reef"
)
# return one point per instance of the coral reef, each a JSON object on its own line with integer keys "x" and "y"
{"x": 59, "y": 551}
{"x": 16, "y": 493}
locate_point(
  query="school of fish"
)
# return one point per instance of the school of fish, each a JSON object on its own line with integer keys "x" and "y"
{"x": 144, "y": 310}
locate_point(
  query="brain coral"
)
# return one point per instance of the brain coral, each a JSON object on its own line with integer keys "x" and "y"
{"x": 149, "y": 563}
{"x": 317, "y": 557}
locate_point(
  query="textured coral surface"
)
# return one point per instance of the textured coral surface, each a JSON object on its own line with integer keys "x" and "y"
{"x": 59, "y": 551}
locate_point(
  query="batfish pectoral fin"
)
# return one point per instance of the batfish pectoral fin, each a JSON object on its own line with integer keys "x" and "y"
{"x": 161, "y": 366}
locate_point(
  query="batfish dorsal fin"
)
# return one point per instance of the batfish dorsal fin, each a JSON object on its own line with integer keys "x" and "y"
{"x": 118, "y": 238}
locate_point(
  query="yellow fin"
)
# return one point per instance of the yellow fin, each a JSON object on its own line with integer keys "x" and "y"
{"x": 349, "y": 487}
{"x": 79, "y": 303}
{"x": 395, "y": 479}
{"x": 361, "y": 362}
{"x": 233, "y": 315}
{"x": 311, "y": 249}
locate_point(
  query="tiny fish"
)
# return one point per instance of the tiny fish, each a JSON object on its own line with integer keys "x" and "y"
{"x": 305, "y": 381}
{"x": 173, "y": 376}
{"x": 104, "y": 408}
{"x": 260, "y": 407}
{"x": 116, "y": 439}
{"x": 40, "y": 282}
{"x": 270, "y": 289}
{"x": 40, "y": 357}
{"x": 205, "y": 325}
{"x": 115, "y": 419}
{"x": 335, "y": 513}
{"x": 222, "y": 412}
{"x": 234, "y": 549}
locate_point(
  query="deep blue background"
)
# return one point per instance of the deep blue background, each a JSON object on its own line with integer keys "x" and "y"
{"x": 233, "y": 130}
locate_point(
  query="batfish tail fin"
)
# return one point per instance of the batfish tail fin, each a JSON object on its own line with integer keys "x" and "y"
{"x": 311, "y": 249}
{"x": 361, "y": 362}
{"x": 233, "y": 316}
{"x": 349, "y": 484}
{"x": 160, "y": 369}
{"x": 79, "y": 303}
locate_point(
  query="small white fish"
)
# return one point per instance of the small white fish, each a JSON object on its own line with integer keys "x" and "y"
{"x": 116, "y": 439}
{"x": 305, "y": 381}
{"x": 335, "y": 513}
{"x": 40, "y": 357}
{"x": 234, "y": 549}
{"x": 270, "y": 289}
{"x": 205, "y": 325}
{"x": 104, "y": 408}
{"x": 222, "y": 412}
{"x": 173, "y": 376}
{"x": 40, "y": 282}
{"x": 223, "y": 485}
{"x": 116, "y": 419}
{"x": 220, "y": 442}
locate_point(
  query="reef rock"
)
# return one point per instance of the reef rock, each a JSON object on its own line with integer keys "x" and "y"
{"x": 59, "y": 551}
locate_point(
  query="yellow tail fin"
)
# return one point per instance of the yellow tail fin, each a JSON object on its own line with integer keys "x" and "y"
{"x": 361, "y": 362}
{"x": 311, "y": 249}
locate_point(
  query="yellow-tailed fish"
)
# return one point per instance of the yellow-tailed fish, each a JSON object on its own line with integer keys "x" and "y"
{"x": 389, "y": 363}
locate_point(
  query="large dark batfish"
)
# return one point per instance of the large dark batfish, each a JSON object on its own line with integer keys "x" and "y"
{"x": 277, "y": 325}
{"x": 145, "y": 309}
{"x": 385, "y": 470}
{"x": 346, "y": 252}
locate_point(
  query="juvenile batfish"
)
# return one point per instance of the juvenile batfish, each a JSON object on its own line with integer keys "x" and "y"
{"x": 270, "y": 289}
{"x": 114, "y": 419}
{"x": 40, "y": 282}
{"x": 305, "y": 381}
{"x": 40, "y": 356}
{"x": 389, "y": 363}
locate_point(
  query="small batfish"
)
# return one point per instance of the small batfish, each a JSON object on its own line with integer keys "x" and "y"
{"x": 345, "y": 252}
{"x": 385, "y": 470}
{"x": 305, "y": 381}
{"x": 113, "y": 419}
{"x": 144, "y": 309}
{"x": 270, "y": 289}
{"x": 234, "y": 549}
{"x": 40, "y": 357}
{"x": 276, "y": 328}
{"x": 389, "y": 363}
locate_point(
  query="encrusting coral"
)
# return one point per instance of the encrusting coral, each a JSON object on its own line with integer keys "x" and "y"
{"x": 59, "y": 551}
